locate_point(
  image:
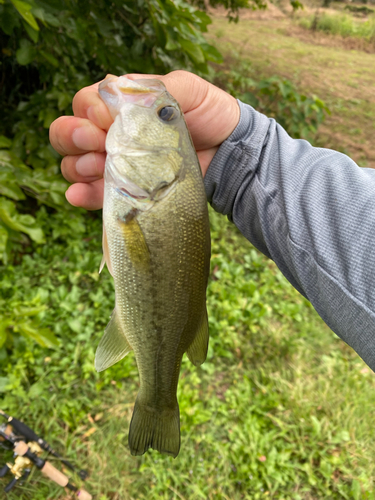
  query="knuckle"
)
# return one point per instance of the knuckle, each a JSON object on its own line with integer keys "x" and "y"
{"x": 76, "y": 101}
{"x": 54, "y": 134}
{"x": 65, "y": 168}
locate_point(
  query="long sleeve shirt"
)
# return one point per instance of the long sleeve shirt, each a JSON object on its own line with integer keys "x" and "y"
{"x": 312, "y": 211}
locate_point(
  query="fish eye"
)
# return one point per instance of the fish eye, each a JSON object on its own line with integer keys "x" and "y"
{"x": 168, "y": 113}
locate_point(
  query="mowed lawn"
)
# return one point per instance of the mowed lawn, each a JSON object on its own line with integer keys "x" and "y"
{"x": 318, "y": 64}
{"x": 281, "y": 409}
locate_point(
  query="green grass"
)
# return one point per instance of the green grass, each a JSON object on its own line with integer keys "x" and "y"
{"x": 316, "y": 65}
{"x": 281, "y": 409}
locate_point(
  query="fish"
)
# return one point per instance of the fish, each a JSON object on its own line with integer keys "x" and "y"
{"x": 156, "y": 245}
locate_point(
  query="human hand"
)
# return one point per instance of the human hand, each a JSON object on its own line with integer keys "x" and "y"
{"x": 210, "y": 113}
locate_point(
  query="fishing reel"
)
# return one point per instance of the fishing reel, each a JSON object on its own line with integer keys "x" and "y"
{"x": 28, "y": 448}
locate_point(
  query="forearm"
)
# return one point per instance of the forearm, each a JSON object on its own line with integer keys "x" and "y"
{"x": 312, "y": 211}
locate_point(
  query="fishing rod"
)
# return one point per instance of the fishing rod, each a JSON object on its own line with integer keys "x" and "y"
{"x": 28, "y": 447}
{"x": 30, "y": 435}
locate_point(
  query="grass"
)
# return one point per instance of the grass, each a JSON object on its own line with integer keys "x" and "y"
{"x": 316, "y": 64}
{"x": 281, "y": 409}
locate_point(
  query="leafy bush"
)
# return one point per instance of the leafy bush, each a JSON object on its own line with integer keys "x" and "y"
{"x": 341, "y": 24}
{"x": 276, "y": 97}
{"x": 19, "y": 181}
{"x": 52, "y": 49}
{"x": 360, "y": 9}
{"x": 49, "y": 51}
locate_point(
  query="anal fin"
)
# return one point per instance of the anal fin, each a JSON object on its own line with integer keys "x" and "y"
{"x": 197, "y": 351}
{"x": 113, "y": 346}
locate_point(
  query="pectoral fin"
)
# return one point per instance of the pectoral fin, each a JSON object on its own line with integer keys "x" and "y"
{"x": 197, "y": 351}
{"x": 105, "y": 259}
{"x": 135, "y": 242}
{"x": 113, "y": 346}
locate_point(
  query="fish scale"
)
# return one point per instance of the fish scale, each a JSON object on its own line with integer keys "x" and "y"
{"x": 156, "y": 243}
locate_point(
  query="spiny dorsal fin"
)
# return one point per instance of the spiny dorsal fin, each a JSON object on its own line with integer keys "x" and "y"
{"x": 197, "y": 351}
{"x": 113, "y": 346}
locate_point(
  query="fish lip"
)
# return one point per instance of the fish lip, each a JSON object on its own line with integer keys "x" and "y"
{"x": 120, "y": 91}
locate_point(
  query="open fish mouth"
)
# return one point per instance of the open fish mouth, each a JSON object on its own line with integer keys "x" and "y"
{"x": 117, "y": 91}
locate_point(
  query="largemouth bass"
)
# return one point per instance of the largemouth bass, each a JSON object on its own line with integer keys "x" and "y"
{"x": 156, "y": 244}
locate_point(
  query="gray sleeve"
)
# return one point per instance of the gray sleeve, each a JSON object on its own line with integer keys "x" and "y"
{"x": 312, "y": 211}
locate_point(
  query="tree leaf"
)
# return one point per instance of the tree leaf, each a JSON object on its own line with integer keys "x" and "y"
{"x": 10, "y": 188}
{"x": 3, "y": 333}
{"x": 5, "y": 143}
{"x": 211, "y": 53}
{"x": 24, "y": 9}
{"x": 49, "y": 57}
{"x": 26, "y": 53}
{"x": 3, "y": 241}
{"x": 19, "y": 222}
{"x": 4, "y": 381}
{"x": 193, "y": 50}
{"x": 46, "y": 17}
{"x": 8, "y": 20}
{"x": 43, "y": 336}
{"x": 33, "y": 34}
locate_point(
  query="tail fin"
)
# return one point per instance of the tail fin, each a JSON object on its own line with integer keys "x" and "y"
{"x": 150, "y": 428}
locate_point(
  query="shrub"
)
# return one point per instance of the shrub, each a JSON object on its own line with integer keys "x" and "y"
{"x": 341, "y": 24}
{"x": 276, "y": 97}
{"x": 51, "y": 50}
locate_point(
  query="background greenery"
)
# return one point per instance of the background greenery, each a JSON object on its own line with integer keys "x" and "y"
{"x": 267, "y": 416}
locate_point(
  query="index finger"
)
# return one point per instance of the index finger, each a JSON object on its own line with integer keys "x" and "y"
{"x": 88, "y": 104}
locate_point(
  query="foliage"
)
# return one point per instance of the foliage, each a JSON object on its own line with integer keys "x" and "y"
{"x": 17, "y": 181}
{"x": 276, "y": 97}
{"x": 52, "y": 49}
{"x": 279, "y": 409}
{"x": 360, "y": 9}
{"x": 232, "y": 6}
{"x": 341, "y": 24}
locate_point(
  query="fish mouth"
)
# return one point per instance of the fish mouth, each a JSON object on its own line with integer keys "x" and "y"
{"x": 157, "y": 194}
{"x": 116, "y": 91}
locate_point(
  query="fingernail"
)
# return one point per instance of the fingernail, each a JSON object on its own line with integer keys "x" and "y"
{"x": 86, "y": 165}
{"x": 85, "y": 138}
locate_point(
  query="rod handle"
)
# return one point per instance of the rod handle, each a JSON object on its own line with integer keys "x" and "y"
{"x": 54, "y": 474}
{"x": 11, "y": 485}
{"x": 83, "y": 495}
{"x": 4, "y": 470}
